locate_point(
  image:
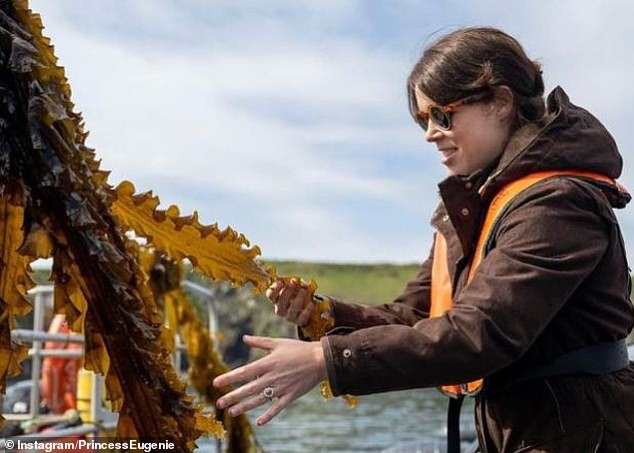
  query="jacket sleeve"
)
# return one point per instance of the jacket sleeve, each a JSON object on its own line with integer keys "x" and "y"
{"x": 547, "y": 244}
{"x": 407, "y": 309}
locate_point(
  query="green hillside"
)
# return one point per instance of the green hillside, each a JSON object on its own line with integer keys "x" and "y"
{"x": 364, "y": 283}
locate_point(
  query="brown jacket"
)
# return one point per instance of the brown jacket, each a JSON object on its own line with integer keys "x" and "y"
{"x": 555, "y": 280}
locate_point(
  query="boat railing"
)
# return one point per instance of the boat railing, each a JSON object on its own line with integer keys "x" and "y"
{"x": 102, "y": 419}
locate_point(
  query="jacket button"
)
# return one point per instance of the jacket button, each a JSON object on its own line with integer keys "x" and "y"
{"x": 468, "y": 185}
{"x": 445, "y": 218}
{"x": 347, "y": 353}
{"x": 464, "y": 212}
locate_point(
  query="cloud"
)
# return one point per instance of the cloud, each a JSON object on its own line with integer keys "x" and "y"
{"x": 267, "y": 123}
{"x": 288, "y": 119}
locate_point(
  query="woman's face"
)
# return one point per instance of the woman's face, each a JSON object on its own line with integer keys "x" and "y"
{"x": 479, "y": 132}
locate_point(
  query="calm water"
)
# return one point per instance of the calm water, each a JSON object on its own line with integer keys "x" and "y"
{"x": 379, "y": 422}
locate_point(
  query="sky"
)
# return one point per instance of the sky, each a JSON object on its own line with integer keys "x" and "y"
{"x": 288, "y": 119}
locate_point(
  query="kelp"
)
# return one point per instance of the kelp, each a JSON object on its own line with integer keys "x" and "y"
{"x": 15, "y": 281}
{"x": 205, "y": 362}
{"x": 219, "y": 254}
{"x": 55, "y": 202}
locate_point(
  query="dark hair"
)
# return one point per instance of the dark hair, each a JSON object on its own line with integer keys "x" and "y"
{"x": 474, "y": 60}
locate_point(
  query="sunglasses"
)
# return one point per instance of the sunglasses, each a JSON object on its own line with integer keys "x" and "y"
{"x": 441, "y": 115}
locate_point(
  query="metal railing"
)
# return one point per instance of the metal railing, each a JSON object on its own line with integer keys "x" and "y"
{"x": 101, "y": 418}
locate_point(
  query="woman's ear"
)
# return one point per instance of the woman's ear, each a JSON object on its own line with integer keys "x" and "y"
{"x": 503, "y": 103}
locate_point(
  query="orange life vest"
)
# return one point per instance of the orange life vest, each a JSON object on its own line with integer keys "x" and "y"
{"x": 441, "y": 289}
{"x": 58, "y": 384}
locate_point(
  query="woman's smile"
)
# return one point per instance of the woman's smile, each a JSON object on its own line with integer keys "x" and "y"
{"x": 447, "y": 154}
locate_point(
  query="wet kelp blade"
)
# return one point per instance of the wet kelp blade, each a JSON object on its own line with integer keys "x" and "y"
{"x": 15, "y": 281}
{"x": 48, "y": 172}
{"x": 204, "y": 360}
{"x": 219, "y": 254}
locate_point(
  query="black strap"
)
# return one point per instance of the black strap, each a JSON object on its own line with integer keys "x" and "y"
{"x": 598, "y": 359}
{"x": 453, "y": 424}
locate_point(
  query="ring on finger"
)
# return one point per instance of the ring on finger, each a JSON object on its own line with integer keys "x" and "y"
{"x": 268, "y": 393}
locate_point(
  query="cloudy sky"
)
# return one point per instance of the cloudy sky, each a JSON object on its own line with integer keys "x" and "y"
{"x": 287, "y": 119}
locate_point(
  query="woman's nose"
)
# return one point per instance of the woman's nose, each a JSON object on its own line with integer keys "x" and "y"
{"x": 433, "y": 132}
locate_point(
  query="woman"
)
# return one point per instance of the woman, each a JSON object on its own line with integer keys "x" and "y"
{"x": 539, "y": 310}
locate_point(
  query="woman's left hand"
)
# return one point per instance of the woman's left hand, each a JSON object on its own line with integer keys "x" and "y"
{"x": 291, "y": 368}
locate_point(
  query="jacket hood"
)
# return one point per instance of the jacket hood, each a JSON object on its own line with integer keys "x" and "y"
{"x": 571, "y": 138}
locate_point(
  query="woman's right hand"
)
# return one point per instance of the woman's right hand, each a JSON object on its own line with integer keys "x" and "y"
{"x": 292, "y": 300}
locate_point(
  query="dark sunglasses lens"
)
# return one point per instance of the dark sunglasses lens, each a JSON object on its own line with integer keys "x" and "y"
{"x": 422, "y": 121}
{"x": 440, "y": 117}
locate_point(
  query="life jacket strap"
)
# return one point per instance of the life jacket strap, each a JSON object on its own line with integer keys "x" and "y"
{"x": 453, "y": 424}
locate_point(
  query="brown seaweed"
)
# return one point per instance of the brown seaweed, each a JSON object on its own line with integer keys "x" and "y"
{"x": 220, "y": 254}
{"x": 205, "y": 362}
{"x": 56, "y": 203}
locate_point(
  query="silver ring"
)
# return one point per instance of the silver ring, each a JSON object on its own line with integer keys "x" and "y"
{"x": 268, "y": 393}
